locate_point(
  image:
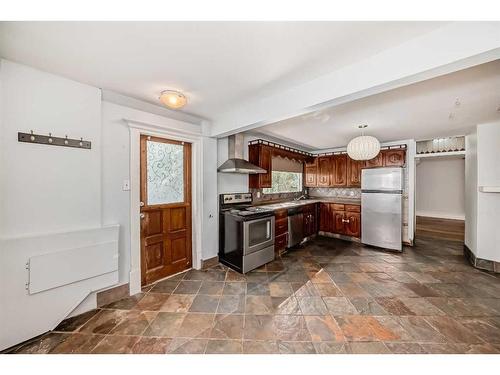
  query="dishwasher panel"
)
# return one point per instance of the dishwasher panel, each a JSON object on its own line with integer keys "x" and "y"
{"x": 295, "y": 228}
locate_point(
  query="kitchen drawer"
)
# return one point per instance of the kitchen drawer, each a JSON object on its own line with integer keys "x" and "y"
{"x": 281, "y": 226}
{"x": 352, "y": 208}
{"x": 281, "y": 241}
{"x": 338, "y": 207}
{"x": 280, "y": 214}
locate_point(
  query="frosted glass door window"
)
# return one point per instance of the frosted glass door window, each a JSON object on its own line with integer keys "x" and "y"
{"x": 165, "y": 172}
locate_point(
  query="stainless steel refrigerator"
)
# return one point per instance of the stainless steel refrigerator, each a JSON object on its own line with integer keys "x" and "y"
{"x": 381, "y": 207}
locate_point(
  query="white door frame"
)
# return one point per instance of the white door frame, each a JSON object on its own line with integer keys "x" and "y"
{"x": 138, "y": 128}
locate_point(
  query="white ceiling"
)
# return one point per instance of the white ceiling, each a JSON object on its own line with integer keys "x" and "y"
{"x": 218, "y": 65}
{"x": 418, "y": 111}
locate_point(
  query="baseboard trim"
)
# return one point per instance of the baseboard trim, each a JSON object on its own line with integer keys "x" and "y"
{"x": 207, "y": 263}
{"x": 482, "y": 264}
{"x": 339, "y": 236}
{"x": 112, "y": 295}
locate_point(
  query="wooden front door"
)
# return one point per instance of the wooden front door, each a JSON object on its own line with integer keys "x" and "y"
{"x": 165, "y": 208}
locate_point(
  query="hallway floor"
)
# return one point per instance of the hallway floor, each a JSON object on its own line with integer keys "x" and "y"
{"x": 445, "y": 229}
{"x": 329, "y": 296}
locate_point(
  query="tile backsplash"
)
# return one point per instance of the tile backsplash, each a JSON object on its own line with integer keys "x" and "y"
{"x": 258, "y": 196}
{"x": 335, "y": 192}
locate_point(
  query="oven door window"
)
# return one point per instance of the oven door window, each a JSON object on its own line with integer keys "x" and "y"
{"x": 259, "y": 234}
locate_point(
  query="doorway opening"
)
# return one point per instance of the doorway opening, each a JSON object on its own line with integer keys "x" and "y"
{"x": 440, "y": 197}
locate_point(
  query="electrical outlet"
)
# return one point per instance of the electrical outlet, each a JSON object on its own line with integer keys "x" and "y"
{"x": 126, "y": 185}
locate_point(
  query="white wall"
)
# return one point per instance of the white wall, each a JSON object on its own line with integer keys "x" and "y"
{"x": 210, "y": 218}
{"x": 116, "y": 169}
{"x": 50, "y": 202}
{"x": 230, "y": 182}
{"x": 483, "y": 209}
{"x": 48, "y": 189}
{"x": 47, "y": 192}
{"x": 471, "y": 192}
{"x": 488, "y": 204}
{"x": 440, "y": 187}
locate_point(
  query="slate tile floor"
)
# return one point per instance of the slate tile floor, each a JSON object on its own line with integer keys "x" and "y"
{"x": 329, "y": 296}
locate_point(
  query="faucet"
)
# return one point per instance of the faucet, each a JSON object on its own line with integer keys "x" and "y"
{"x": 299, "y": 198}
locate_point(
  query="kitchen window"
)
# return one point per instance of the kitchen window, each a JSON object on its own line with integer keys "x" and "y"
{"x": 286, "y": 176}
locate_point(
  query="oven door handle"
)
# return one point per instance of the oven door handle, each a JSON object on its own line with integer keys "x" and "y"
{"x": 268, "y": 228}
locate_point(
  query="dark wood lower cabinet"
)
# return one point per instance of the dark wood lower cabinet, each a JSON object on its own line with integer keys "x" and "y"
{"x": 280, "y": 231}
{"x": 335, "y": 218}
{"x": 324, "y": 217}
{"x": 280, "y": 243}
{"x": 353, "y": 225}
{"x": 340, "y": 219}
{"x": 338, "y": 222}
{"x": 310, "y": 220}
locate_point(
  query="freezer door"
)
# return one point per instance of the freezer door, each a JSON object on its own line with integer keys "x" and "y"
{"x": 381, "y": 220}
{"x": 386, "y": 179}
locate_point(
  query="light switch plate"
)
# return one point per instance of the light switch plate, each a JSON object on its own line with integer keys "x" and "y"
{"x": 126, "y": 185}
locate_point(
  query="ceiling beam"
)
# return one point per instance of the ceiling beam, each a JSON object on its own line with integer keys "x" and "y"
{"x": 453, "y": 47}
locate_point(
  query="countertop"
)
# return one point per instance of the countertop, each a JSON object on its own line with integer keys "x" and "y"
{"x": 292, "y": 203}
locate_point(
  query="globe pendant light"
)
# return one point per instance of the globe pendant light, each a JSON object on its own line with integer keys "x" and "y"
{"x": 364, "y": 147}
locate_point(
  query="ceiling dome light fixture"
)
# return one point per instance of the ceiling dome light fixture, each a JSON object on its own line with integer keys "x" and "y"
{"x": 364, "y": 147}
{"x": 173, "y": 99}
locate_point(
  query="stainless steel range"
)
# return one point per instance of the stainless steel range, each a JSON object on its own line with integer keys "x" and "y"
{"x": 246, "y": 233}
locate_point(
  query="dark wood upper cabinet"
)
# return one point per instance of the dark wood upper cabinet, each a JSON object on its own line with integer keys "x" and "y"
{"x": 387, "y": 158}
{"x": 260, "y": 155}
{"x": 324, "y": 171}
{"x": 394, "y": 158}
{"x": 377, "y": 161}
{"x": 339, "y": 171}
{"x": 342, "y": 171}
{"x": 311, "y": 172}
{"x": 354, "y": 172}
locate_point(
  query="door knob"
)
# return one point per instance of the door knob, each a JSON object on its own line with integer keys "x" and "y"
{"x": 142, "y": 216}
{"x": 141, "y": 204}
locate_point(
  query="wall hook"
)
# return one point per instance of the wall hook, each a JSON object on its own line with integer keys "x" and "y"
{"x": 53, "y": 141}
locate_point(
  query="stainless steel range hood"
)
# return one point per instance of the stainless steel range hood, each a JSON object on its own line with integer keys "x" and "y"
{"x": 236, "y": 163}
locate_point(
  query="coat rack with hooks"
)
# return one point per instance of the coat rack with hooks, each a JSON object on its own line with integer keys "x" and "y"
{"x": 53, "y": 141}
